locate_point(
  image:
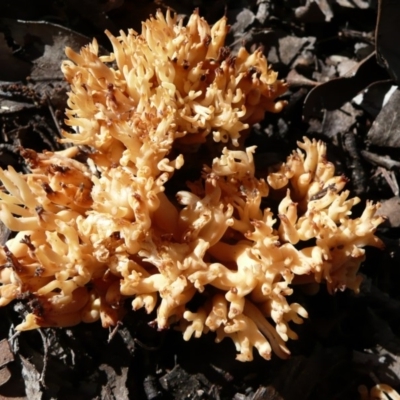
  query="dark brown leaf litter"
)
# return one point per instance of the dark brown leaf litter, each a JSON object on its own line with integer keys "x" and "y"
{"x": 32, "y": 91}
{"x": 334, "y": 93}
{"x": 337, "y": 93}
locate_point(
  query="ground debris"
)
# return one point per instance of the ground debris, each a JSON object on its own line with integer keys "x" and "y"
{"x": 31, "y": 378}
{"x": 186, "y": 386}
{"x": 385, "y": 130}
{"x": 337, "y": 92}
{"x": 115, "y": 387}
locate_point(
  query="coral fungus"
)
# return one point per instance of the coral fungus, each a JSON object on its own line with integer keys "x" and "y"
{"x": 92, "y": 233}
{"x": 379, "y": 392}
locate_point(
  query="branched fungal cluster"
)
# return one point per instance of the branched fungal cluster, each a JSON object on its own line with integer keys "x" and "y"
{"x": 91, "y": 234}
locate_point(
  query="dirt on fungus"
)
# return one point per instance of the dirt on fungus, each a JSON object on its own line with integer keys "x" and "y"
{"x": 338, "y": 93}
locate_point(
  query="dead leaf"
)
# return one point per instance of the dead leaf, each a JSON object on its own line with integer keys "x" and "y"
{"x": 333, "y": 94}
{"x": 385, "y": 131}
{"x": 115, "y": 388}
{"x": 244, "y": 19}
{"x": 339, "y": 121}
{"x": 315, "y": 11}
{"x": 388, "y": 28}
{"x": 43, "y": 45}
{"x": 12, "y": 68}
{"x": 31, "y": 378}
{"x": 5, "y": 375}
{"x": 391, "y": 210}
{"x": 6, "y": 355}
{"x": 354, "y": 3}
{"x": 285, "y": 49}
{"x": 374, "y": 97}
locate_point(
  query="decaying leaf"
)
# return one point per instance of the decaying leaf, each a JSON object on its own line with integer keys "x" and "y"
{"x": 333, "y": 94}
{"x": 385, "y": 131}
{"x": 32, "y": 380}
{"x": 388, "y": 28}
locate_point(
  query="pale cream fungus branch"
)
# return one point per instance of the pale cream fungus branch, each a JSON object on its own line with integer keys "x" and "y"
{"x": 378, "y": 392}
{"x": 89, "y": 235}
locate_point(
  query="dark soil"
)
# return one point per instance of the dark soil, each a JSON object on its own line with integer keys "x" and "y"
{"x": 337, "y": 93}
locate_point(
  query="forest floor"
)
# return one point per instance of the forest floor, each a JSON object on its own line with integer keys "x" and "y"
{"x": 337, "y": 93}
